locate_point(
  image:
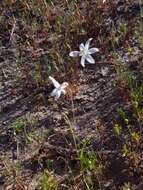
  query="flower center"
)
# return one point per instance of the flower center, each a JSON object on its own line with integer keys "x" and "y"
{"x": 83, "y": 52}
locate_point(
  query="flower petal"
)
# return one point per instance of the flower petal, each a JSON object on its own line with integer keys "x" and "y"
{"x": 54, "y": 92}
{"x": 82, "y": 61}
{"x": 63, "y": 91}
{"x": 74, "y": 53}
{"x": 88, "y": 43}
{"x": 55, "y": 83}
{"x": 81, "y": 47}
{"x": 58, "y": 94}
{"x": 93, "y": 50}
{"x": 90, "y": 59}
{"x": 64, "y": 85}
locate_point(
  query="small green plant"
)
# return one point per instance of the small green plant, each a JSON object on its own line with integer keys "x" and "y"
{"x": 11, "y": 167}
{"x": 88, "y": 160}
{"x": 126, "y": 186}
{"x": 49, "y": 163}
{"x": 90, "y": 166}
{"x": 122, "y": 29}
{"x": 13, "y": 173}
{"x": 123, "y": 115}
{"x": 135, "y": 137}
{"x": 48, "y": 182}
{"x": 117, "y": 129}
{"x": 19, "y": 128}
{"x": 126, "y": 150}
{"x": 18, "y": 125}
{"x": 136, "y": 99}
{"x": 118, "y": 33}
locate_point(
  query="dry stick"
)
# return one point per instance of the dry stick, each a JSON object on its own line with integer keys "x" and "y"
{"x": 12, "y": 31}
{"x": 67, "y": 150}
{"x": 67, "y": 119}
{"x": 17, "y": 148}
{"x": 72, "y": 104}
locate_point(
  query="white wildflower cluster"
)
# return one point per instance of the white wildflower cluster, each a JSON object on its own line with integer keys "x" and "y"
{"x": 85, "y": 54}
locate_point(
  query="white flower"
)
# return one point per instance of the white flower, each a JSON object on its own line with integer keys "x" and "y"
{"x": 59, "y": 88}
{"x": 104, "y": 1}
{"x": 85, "y": 52}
